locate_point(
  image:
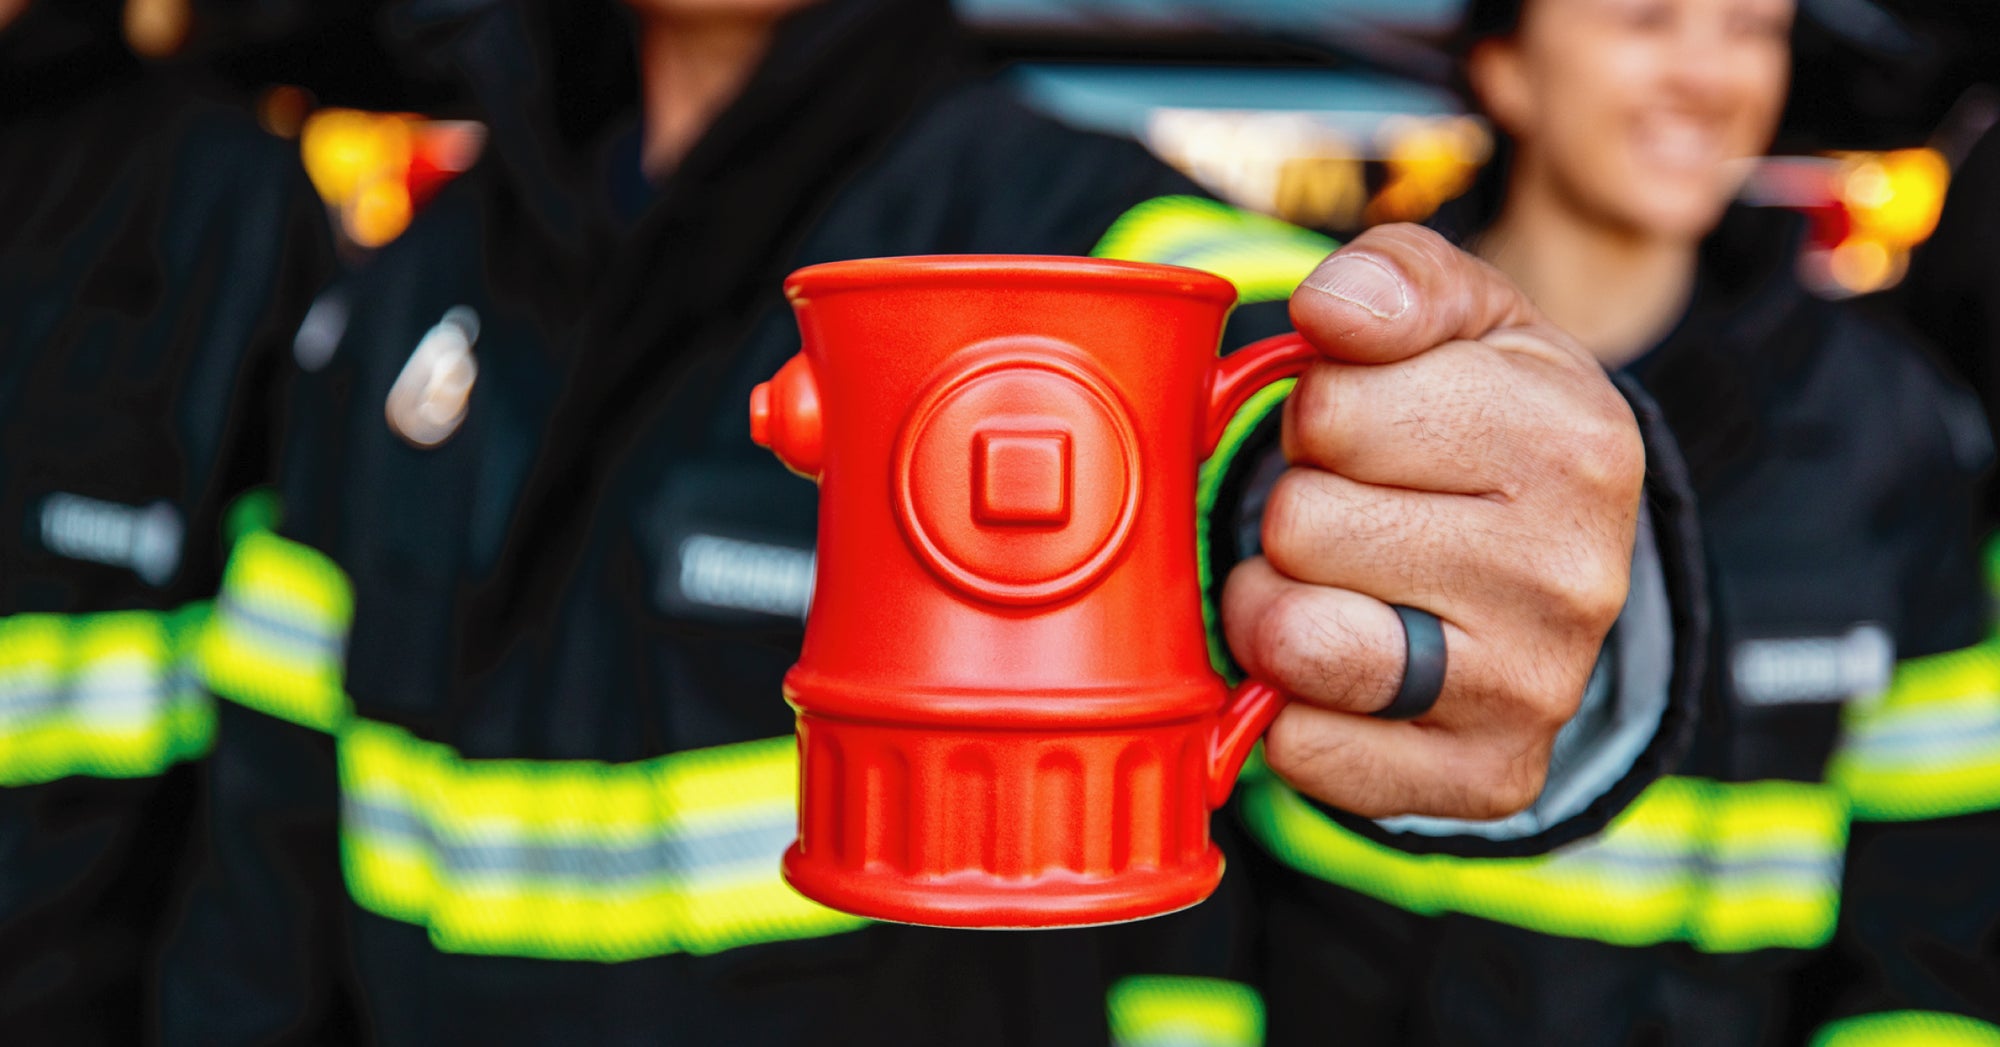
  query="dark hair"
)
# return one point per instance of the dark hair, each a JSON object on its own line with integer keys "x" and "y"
{"x": 1482, "y": 20}
{"x": 1478, "y": 207}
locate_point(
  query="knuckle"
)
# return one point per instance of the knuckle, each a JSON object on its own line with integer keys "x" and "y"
{"x": 1508, "y": 787}
{"x": 1292, "y": 643}
{"x": 1290, "y": 521}
{"x": 1604, "y": 453}
{"x": 1298, "y": 752}
{"x": 1315, "y": 408}
{"x": 1583, "y": 589}
{"x": 1546, "y": 708}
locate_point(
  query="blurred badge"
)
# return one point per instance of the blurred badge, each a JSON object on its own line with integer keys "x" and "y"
{"x": 428, "y": 402}
{"x": 1799, "y": 670}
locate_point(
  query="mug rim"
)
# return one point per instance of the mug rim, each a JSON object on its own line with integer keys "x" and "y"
{"x": 1016, "y": 270}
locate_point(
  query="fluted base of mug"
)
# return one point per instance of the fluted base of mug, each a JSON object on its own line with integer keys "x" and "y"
{"x": 973, "y": 899}
{"x": 991, "y": 825}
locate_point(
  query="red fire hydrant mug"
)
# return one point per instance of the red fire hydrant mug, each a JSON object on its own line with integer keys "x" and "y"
{"x": 1006, "y": 714}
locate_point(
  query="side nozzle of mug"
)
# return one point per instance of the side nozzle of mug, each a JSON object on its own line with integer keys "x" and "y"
{"x": 785, "y": 417}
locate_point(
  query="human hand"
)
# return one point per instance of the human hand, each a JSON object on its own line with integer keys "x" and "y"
{"x": 1455, "y": 453}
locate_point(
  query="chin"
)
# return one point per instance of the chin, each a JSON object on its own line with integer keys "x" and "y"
{"x": 1675, "y": 211}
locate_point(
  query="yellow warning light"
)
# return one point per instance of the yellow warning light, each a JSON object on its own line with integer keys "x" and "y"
{"x": 345, "y": 149}
{"x": 1894, "y": 198}
{"x": 378, "y": 213}
{"x": 359, "y": 162}
{"x": 1860, "y": 265}
{"x": 1430, "y": 161}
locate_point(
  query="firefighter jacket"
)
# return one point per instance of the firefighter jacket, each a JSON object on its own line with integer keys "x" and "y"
{"x": 1767, "y": 885}
{"x": 156, "y": 252}
{"x": 504, "y": 757}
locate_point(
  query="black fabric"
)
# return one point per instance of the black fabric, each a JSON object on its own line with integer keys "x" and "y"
{"x": 1952, "y": 292}
{"x": 55, "y": 51}
{"x": 156, "y": 252}
{"x": 686, "y": 285}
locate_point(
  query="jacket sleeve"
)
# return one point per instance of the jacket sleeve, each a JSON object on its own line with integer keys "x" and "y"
{"x": 254, "y": 955}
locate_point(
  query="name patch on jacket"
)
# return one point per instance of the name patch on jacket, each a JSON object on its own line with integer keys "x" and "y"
{"x": 146, "y": 539}
{"x": 743, "y": 576}
{"x": 1807, "y": 669}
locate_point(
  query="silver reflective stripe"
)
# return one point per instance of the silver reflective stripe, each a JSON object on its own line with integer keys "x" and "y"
{"x": 746, "y": 576}
{"x": 117, "y": 692}
{"x": 112, "y": 694}
{"x": 29, "y": 694}
{"x": 756, "y": 845}
{"x": 1940, "y": 736}
{"x": 271, "y": 630}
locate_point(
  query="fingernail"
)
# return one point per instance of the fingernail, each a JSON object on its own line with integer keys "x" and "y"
{"x": 1363, "y": 281}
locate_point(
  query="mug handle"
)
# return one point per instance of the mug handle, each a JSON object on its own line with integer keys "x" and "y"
{"x": 1254, "y": 704}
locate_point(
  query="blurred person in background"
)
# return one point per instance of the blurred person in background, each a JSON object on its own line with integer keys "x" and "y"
{"x": 156, "y": 253}
{"x": 1836, "y": 473}
{"x": 504, "y": 757}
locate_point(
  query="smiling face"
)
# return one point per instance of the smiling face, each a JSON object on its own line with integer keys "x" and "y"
{"x": 1637, "y": 113}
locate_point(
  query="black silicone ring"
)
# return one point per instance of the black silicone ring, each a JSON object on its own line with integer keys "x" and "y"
{"x": 1423, "y": 665}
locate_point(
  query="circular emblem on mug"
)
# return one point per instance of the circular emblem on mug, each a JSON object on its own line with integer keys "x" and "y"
{"x": 1017, "y": 477}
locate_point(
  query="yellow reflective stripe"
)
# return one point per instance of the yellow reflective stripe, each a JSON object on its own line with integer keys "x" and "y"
{"x": 1164, "y": 1011}
{"x": 1264, "y": 257}
{"x": 1908, "y": 1029}
{"x": 1723, "y": 866}
{"x": 575, "y": 859}
{"x": 1208, "y": 488}
{"x": 1771, "y": 878}
{"x": 1930, "y": 746}
{"x": 279, "y": 638}
{"x": 105, "y": 695}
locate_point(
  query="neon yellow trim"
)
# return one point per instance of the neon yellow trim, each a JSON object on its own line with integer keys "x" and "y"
{"x": 1208, "y": 487}
{"x": 104, "y": 695}
{"x": 1908, "y": 1029}
{"x": 575, "y": 859}
{"x": 1991, "y": 561}
{"x": 1163, "y": 1011}
{"x": 278, "y": 641}
{"x": 1691, "y": 860}
{"x": 1264, "y": 257}
{"x": 253, "y": 512}
{"x": 1761, "y": 893}
{"x": 1930, "y": 747}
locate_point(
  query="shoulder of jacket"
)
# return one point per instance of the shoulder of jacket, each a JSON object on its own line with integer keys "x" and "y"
{"x": 1897, "y": 381}
{"x": 999, "y": 146}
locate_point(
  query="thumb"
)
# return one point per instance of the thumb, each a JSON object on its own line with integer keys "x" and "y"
{"x": 1398, "y": 290}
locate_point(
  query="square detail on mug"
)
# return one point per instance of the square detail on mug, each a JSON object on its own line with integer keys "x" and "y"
{"x": 1021, "y": 478}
